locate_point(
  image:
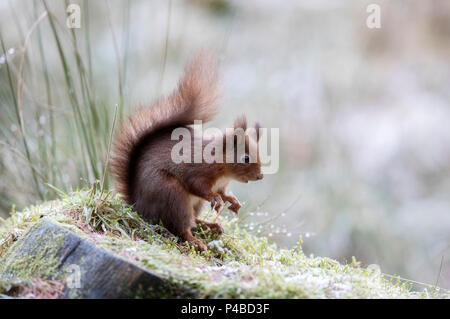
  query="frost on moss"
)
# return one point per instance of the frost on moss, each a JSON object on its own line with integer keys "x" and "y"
{"x": 238, "y": 264}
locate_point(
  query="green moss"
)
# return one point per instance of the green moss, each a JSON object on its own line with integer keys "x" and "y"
{"x": 37, "y": 262}
{"x": 237, "y": 265}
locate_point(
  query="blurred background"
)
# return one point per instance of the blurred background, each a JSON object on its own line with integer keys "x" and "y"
{"x": 363, "y": 113}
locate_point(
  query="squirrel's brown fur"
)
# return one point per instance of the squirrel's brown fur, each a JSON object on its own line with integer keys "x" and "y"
{"x": 144, "y": 172}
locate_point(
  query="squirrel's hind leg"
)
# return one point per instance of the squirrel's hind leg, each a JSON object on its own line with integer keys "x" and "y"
{"x": 187, "y": 236}
{"x": 210, "y": 225}
{"x": 179, "y": 216}
{"x": 198, "y": 208}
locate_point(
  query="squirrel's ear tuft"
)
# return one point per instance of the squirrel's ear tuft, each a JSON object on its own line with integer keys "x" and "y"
{"x": 257, "y": 127}
{"x": 240, "y": 122}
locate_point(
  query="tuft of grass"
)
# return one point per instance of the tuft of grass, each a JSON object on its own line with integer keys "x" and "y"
{"x": 57, "y": 121}
{"x": 239, "y": 264}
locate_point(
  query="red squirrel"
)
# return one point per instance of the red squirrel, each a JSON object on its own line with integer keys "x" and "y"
{"x": 175, "y": 194}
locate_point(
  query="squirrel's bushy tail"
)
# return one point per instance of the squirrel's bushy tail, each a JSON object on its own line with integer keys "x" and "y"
{"x": 193, "y": 99}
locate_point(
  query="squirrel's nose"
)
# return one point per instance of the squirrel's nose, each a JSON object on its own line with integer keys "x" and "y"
{"x": 260, "y": 176}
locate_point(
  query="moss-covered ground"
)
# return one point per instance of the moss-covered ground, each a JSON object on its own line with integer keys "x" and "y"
{"x": 238, "y": 264}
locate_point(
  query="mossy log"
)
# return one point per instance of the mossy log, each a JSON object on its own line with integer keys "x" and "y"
{"x": 116, "y": 254}
{"x": 51, "y": 251}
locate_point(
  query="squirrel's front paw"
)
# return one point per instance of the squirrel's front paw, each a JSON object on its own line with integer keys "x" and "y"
{"x": 217, "y": 202}
{"x": 210, "y": 225}
{"x": 235, "y": 206}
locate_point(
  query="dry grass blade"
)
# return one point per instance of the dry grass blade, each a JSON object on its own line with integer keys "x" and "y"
{"x": 109, "y": 150}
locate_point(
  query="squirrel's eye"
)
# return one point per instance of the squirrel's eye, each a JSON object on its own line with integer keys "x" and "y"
{"x": 245, "y": 159}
